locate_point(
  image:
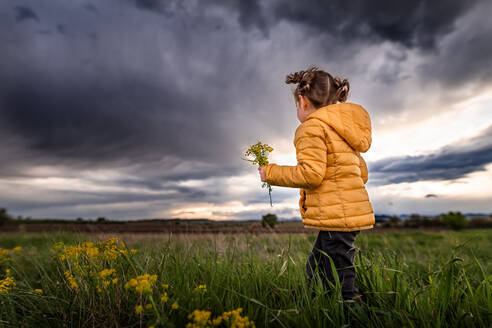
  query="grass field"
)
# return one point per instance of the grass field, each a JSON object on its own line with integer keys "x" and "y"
{"x": 440, "y": 279}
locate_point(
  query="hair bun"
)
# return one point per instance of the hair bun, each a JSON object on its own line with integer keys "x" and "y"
{"x": 343, "y": 86}
{"x": 303, "y": 78}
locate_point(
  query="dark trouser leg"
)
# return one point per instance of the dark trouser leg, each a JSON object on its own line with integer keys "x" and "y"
{"x": 314, "y": 259}
{"x": 339, "y": 245}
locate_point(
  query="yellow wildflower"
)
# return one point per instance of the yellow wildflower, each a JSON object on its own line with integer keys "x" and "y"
{"x": 142, "y": 283}
{"x": 175, "y": 306}
{"x": 71, "y": 280}
{"x": 39, "y": 291}
{"x": 106, "y": 272}
{"x": 4, "y": 255}
{"x": 235, "y": 319}
{"x": 7, "y": 283}
{"x": 138, "y": 309}
{"x": 200, "y": 319}
{"x": 164, "y": 297}
{"x": 148, "y": 306}
{"x": 217, "y": 321}
{"x": 17, "y": 248}
{"x": 134, "y": 251}
{"x": 200, "y": 289}
{"x": 260, "y": 152}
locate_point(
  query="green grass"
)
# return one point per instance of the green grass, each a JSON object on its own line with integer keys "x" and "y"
{"x": 407, "y": 279}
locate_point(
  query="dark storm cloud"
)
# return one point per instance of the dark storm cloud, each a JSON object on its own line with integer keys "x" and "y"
{"x": 172, "y": 193}
{"x": 24, "y": 13}
{"x": 92, "y": 107}
{"x": 90, "y": 7}
{"x": 104, "y": 104}
{"x": 451, "y": 162}
{"x": 466, "y": 58}
{"x": 410, "y": 23}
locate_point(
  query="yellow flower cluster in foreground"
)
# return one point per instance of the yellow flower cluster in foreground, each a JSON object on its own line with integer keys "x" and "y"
{"x": 90, "y": 265}
{"x": 7, "y": 283}
{"x": 201, "y": 319}
{"x": 142, "y": 284}
{"x": 5, "y": 254}
{"x": 108, "y": 250}
{"x": 71, "y": 280}
{"x": 200, "y": 289}
{"x": 89, "y": 261}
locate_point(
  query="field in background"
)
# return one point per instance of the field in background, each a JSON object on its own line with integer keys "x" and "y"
{"x": 210, "y": 226}
{"x": 419, "y": 279}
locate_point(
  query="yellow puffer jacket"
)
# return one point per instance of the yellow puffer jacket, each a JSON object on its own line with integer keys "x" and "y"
{"x": 330, "y": 171}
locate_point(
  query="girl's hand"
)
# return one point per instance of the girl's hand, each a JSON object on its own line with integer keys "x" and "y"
{"x": 262, "y": 173}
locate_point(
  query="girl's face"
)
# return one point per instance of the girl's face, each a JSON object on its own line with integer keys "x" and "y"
{"x": 304, "y": 108}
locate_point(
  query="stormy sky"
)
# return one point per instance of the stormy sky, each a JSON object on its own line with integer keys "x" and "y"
{"x": 134, "y": 109}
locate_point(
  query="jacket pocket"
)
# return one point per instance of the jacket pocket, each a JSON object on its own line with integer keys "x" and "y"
{"x": 302, "y": 201}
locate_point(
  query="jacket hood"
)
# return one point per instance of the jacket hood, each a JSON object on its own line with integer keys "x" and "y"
{"x": 351, "y": 121}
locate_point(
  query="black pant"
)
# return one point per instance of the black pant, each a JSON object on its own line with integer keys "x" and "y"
{"x": 339, "y": 245}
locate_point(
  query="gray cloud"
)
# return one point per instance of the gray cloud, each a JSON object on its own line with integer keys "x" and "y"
{"x": 95, "y": 106}
{"x": 412, "y": 24}
{"x": 25, "y": 13}
{"x": 464, "y": 59}
{"x": 451, "y": 162}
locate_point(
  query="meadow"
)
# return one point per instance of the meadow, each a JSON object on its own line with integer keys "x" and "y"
{"x": 408, "y": 279}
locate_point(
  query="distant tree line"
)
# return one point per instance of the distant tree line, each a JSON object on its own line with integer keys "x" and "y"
{"x": 5, "y": 218}
{"x": 454, "y": 220}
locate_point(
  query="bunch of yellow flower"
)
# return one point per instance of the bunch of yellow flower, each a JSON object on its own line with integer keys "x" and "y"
{"x": 7, "y": 283}
{"x": 71, "y": 280}
{"x": 4, "y": 255}
{"x": 234, "y": 319}
{"x": 91, "y": 260}
{"x": 260, "y": 152}
{"x": 200, "y": 319}
{"x": 142, "y": 283}
{"x": 107, "y": 276}
{"x": 91, "y": 252}
{"x": 200, "y": 289}
{"x": 164, "y": 296}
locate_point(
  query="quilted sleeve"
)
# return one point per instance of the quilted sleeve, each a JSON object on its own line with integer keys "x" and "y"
{"x": 311, "y": 149}
{"x": 363, "y": 168}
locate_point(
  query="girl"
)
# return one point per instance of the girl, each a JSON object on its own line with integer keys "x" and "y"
{"x": 330, "y": 172}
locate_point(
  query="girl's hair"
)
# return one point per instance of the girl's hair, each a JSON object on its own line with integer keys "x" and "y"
{"x": 319, "y": 87}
